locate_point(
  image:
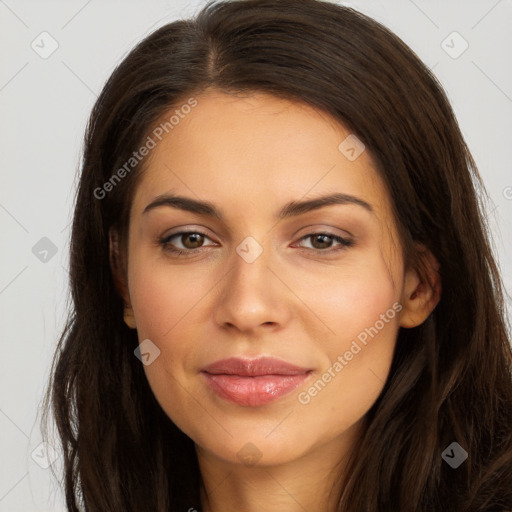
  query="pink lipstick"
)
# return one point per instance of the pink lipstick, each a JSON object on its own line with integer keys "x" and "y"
{"x": 253, "y": 382}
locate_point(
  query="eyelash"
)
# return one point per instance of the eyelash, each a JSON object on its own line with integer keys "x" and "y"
{"x": 167, "y": 246}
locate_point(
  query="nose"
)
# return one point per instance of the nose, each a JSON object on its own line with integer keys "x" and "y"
{"x": 252, "y": 296}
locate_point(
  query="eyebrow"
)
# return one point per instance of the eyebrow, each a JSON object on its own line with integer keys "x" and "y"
{"x": 290, "y": 209}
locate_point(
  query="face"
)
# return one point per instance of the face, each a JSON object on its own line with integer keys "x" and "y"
{"x": 319, "y": 288}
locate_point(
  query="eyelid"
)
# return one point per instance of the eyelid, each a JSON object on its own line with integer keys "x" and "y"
{"x": 311, "y": 229}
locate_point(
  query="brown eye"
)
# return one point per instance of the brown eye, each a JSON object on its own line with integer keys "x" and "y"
{"x": 324, "y": 242}
{"x": 321, "y": 241}
{"x": 184, "y": 242}
{"x": 192, "y": 240}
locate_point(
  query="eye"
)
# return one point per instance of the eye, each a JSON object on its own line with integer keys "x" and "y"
{"x": 323, "y": 242}
{"x": 193, "y": 241}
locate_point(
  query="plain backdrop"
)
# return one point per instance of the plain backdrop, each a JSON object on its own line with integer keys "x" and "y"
{"x": 45, "y": 100}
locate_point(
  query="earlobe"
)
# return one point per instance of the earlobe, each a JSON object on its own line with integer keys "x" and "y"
{"x": 420, "y": 294}
{"x": 129, "y": 318}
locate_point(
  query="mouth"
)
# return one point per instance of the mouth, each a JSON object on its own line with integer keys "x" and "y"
{"x": 256, "y": 382}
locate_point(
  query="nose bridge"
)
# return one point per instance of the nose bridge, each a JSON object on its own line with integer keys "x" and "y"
{"x": 250, "y": 273}
{"x": 250, "y": 295}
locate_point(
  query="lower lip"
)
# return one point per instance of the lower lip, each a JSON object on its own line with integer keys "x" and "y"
{"x": 254, "y": 391}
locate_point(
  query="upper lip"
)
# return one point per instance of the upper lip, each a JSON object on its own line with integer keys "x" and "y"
{"x": 253, "y": 367}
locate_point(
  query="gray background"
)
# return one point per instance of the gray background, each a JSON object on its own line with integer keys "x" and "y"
{"x": 44, "y": 106}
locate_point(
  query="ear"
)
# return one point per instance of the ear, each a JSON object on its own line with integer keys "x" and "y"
{"x": 420, "y": 294}
{"x": 118, "y": 267}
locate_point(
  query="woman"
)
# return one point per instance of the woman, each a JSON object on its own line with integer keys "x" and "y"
{"x": 284, "y": 294}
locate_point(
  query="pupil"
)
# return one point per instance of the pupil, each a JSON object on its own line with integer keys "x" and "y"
{"x": 320, "y": 237}
{"x": 193, "y": 235}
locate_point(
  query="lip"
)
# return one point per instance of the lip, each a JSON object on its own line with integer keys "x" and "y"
{"x": 253, "y": 382}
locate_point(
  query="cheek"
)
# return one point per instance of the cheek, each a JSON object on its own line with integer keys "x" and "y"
{"x": 362, "y": 298}
{"x": 163, "y": 296}
{"x": 165, "y": 300}
{"x": 364, "y": 315}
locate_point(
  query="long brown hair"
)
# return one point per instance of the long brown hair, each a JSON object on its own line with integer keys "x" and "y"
{"x": 451, "y": 376}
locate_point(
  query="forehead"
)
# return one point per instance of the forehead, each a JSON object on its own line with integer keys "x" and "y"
{"x": 257, "y": 151}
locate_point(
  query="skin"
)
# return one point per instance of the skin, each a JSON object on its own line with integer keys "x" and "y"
{"x": 250, "y": 155}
